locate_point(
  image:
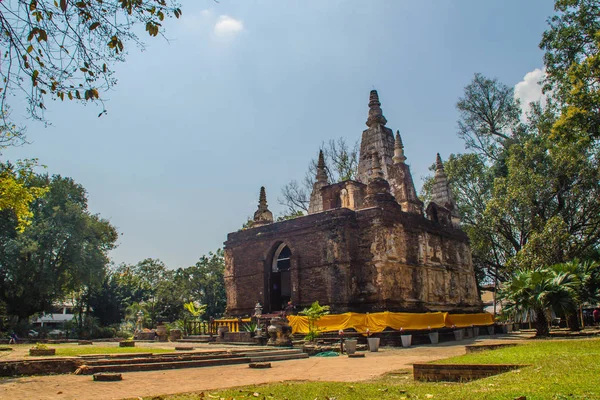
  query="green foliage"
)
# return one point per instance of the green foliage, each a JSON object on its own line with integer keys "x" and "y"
{"x": 206, "y": 283}
{"x": 68, "y": 51}
{"x": 572, "y": 64}
{"x": 249, "y": 326}
{"x": 291, "y": 215}
{"x": 561, "y": 288}
{"x": 40, "y": 346}
{"x": 65, "y": 249}
{"x": 16, "y": 193}
{"x": 196, "y": 310}
{"x": 314, "y": 313}
{"x": 67, "y": 350}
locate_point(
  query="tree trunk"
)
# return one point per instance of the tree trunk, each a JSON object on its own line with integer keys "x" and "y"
{"x": 573, "y": 322}
{"x": 541, "y": 323}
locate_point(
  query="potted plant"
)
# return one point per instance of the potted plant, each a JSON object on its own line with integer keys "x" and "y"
{"x": 434, "y": 337}
{"x": 372, "y": 341}
{"x": 406, "y": 339}
{"x": 41, "y": 350}
{"x": 348, "y": 345}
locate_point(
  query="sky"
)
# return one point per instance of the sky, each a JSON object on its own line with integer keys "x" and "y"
{"x": 242, "y": 93}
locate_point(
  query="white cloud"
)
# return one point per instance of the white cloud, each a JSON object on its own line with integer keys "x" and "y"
{"x": 227, "y": 26}
{"x": 530, "y": 90}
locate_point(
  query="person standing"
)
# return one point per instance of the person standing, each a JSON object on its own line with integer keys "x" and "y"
{"x": 596, "y": 315}
{"x": 13, "y": 338}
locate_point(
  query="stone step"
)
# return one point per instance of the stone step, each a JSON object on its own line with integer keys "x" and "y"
{"x": 155, "y": 366}
{"x": 277, "y": 352}
{"x": 281, "y": 357}
{"x": 196, "y": 340}
{"x": 150, "y": 360}
{"x": 120, "y": 355}
{"x": 158, "y": 362}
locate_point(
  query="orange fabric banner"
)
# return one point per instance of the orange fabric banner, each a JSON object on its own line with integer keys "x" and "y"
{"x": 377, "y": 322}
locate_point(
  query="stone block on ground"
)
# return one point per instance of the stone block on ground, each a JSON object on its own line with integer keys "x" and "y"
{"x": 356, "y": 355}
{"x": 260, "y": 365}
{"x": 127, "y": 343}
{"x": 107, "y": 377}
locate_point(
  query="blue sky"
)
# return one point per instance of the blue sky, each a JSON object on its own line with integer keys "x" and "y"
{"x": 243, "y": 93}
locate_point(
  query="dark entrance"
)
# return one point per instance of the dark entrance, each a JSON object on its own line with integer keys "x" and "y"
{"x": 279, "y": 280}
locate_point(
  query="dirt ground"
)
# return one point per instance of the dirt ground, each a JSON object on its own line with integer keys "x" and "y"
{"x": 138, "y": 384}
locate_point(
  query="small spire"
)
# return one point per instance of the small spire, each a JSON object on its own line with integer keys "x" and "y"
{"x": 375, "y": 113}
{"x": 321, "y": 163}
{"x": 321, "y": 170}
{"x": 376, "y": 171}
{"x": 399, "y": 156}
{"x": 262, "y": 199}
{"x": 439, "y": 166}
{"x": 262, "y": 216}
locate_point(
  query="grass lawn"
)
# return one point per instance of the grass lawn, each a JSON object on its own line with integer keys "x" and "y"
{"x": 560, "y": 369}
{"x": 71, "y": 350}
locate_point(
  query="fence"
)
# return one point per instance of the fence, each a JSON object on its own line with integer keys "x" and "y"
{"x": 211, "y": 327}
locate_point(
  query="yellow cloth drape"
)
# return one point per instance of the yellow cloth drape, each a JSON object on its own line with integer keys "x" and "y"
{"x": 464, "y": 320}
{"x": 377, "y": 322}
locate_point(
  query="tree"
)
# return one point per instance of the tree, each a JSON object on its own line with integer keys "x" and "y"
{"x": 314, "y": 314}
{"x": 64, "y": 249}
{"x": 560, "y": 288}
{"x": 108, "y": 302}
{"x": 341, "y": 162}
{"x": 538, "y": 292}
{"x": 207, "y": 283}
{"x": 67, "y": 50}
{"x": 530, "y": 199}
{"x": 489, "y": 116}
{"x": 584, "y": 282}
{"x": 573, "y": 66}
{"x": 16, "y": 192}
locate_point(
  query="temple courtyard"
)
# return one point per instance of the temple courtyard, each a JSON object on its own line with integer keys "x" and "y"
{"x": 389, "y": 363}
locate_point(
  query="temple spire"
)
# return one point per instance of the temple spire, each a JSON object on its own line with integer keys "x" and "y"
{"x": 262, "y": 216}
{"x": 442, "y": 193}
{"x": 375, "y": 113}
{"x": 439, "y": 166}
{"x": 399, "y": 156}
{"x": 321, "y": 170}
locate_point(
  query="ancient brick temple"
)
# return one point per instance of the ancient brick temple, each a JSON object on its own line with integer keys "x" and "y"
{"x": 366, "y": 245}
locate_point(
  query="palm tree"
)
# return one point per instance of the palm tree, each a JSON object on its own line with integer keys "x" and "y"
{"x": 538, "y": 291}
{"x": 584, "y": 281}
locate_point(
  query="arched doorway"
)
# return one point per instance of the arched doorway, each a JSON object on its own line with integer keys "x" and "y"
{"x": 280, "y": 288}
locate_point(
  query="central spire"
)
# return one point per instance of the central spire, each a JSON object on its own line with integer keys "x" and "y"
{"x": 375, "y": 113}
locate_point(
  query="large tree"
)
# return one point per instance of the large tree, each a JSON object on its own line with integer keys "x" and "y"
{"x": 66, "y": 50}
{"x": 572, "y": 64}
{"x": 207, "y": 283}
{"x": 64, "y": 249}
{"x": 16, "y": 191}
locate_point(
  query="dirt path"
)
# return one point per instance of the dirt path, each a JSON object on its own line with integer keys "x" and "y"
{"x": 137, "y": 384}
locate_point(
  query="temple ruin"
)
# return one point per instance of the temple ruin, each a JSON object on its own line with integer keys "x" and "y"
{"x": 366, "y": 245}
